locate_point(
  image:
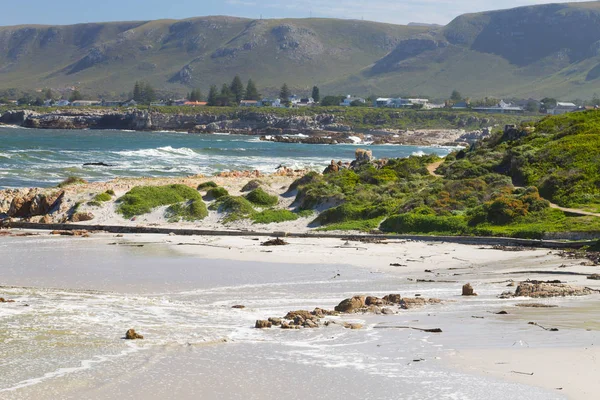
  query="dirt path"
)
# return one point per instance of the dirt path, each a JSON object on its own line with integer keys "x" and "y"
{"x": 433, "y": 167}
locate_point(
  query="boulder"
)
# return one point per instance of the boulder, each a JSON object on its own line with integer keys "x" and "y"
{"x": 238, "y": 307}
{"x": 309, "y": 323}
{"x": 374, "y": 301}
{"x": 3, "y": 300}
{"x": 594, "y": 277}
{"x": 536, "y": 289}
{"x": 300, "y": 314}
{"x": 287, "y": 325}
{"x": 353, "y": 326}
{"x": 263, "y": 324}
{"x": 82, "y": 217}
{"x": 351, "y": 305}
{"x": 320, "y": 313}
{"x": 408, "y": 303}
{"x": 393, "y": 298}
{"x": 275, "y": 321}
{"x": 467, "y": 290}
{"x": 387, "y": 311}
{"x": 132, "y": 335}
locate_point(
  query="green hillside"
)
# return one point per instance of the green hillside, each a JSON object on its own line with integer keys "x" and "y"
{"x": 178, "y": 55}
{"x": 537, "y": 51}
{"x": 501, "y": 186}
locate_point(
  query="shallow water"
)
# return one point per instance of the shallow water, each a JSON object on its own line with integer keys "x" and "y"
{"x": 82, "y": 295}
{"x": 30, "y": 157}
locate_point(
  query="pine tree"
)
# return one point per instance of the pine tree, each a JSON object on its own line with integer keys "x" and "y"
{"x": 137, "y": 92}
{"x": 237, "y": 89}
{"x": 213, "y": 96}
{"x": 284, "y": 93}
{"x": 48, "y": 94}
{"x": 316, "y": 95}
{"x": 252, "y": 91}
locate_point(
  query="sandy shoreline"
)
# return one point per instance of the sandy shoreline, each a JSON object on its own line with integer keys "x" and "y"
{"x": 473, "y": 346}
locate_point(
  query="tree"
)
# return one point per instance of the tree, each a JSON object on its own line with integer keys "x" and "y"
{"x": 329, "y": 101}
{"x": 225, "y": 97}
{"x": 213, "y": 96}
{"x": 532, "y": 106}
{"x": 38, "y": 102}
{"x": 252, "y": 91}
{"x": 316, "y": 95}
{"x": 48, "y": 94}
{"x": 137, "y": 92}
{"x": 456, "y": 96}
{"x": 548, "y": 103}
{"x": 237, "y": 89}
{"x": 284, "y": 93}
{"x": 195, "y": 95}
{"x": 75, "y": 96}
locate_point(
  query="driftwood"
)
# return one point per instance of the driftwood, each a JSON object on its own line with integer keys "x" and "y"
{"x": 544, "y": 328}
{"x": 435, "y": 330}
{"x": 522, "y": 373}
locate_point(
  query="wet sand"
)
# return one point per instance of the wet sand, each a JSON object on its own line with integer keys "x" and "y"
{"x": 84, "y": 293}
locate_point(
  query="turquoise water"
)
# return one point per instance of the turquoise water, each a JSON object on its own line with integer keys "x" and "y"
{"x": 30, "y": 157}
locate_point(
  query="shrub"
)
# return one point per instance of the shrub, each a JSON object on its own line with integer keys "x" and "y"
{"x": 217, "y": 193}
{"x": 72, "y": 180}
{"x": 414, "y": 223}
{"x": 142, "y": 199}
{"x": 504, "y": 210}
{"x": 111, "y": 192}
{"x": 305, "y": 180}
{"x": 235, "y": 207}
{"x": 207, "y": 185}
{"x": 102, "y": 197}
{"x": 195, "y": 210}
{"x": 350, "y": 212}
{"x": 262, "y": 198}
{"x": 271, "y": 216}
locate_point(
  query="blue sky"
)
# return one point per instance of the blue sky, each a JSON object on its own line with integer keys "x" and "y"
{"x": 393, "y": 11}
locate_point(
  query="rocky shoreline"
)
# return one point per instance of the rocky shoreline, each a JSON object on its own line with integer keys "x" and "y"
{"x": 324, "y": 128}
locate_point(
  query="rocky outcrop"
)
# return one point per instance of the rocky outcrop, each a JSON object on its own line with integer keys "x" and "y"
{"x": 131, "y": 334}
{"x": 467, "y": 290}
{"x": 261, "y": 324}
{"x": 537, "y": 289}
{"x": 3, "y": 300}
{"x": 351, "y": 305}
{"x": 33, "y": 203}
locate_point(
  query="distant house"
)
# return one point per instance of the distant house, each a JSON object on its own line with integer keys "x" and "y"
{"x": 272, "y": 103}
{"x": 501, "y": 108}
{"x": 48, "y": 103}
{"x": 383, "y": 102}
{"x": 563, "y": 108}
{"x": 62, "y": 103}
{"x": 399, "y": 102}
{"x": 306, "y": 101}
{"x": 130, "y": 103}
{"x": 351, "y": 99}
{"x": 250, "y": 103}
{"x": 294, "y": 100}
{"x": 85, "y": 103}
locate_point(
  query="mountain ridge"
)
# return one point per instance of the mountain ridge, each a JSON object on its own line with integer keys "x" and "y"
{"x": 531, "y": 51}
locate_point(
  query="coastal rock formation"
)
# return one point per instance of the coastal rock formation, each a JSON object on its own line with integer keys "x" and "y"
{"x": 261, "y": 324}
{"x": 131, "y": 334}
{"x": 537, "y": 289}
{"x": 3, "y": 300}
{"x": 33, "y": 203}
{"x": 82, "y": 217}
{"x": 393, "y": 298}
{"x": 351, "y": 305}
{"x": 467, "y": 290}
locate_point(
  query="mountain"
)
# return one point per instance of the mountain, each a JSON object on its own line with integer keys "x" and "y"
{"x": 546, "y": 50}
{"x": 178, "y": 55}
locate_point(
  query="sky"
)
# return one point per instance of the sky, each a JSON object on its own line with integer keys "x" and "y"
{"x": 62, "y": 12}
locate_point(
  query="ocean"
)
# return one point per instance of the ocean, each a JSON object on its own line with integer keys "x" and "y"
{"x": 43, "y": 158}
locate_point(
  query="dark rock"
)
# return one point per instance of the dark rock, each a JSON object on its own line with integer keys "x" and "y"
{"x": 263, "y": 324}
{"x": 238, "y": 306}
{"x": 374, "y": 301}
{"x": 467, "y": 290}
{"x": 393, "y": 298}
{"x": 275, "y": 321}
{"x": 132, "y": 335}
{"x": 351, "y": 305}
{"x": 275, "y": 242}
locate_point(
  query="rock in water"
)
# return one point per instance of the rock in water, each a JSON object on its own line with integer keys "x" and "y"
{"x": 132, "y": 335}
{"x": 467, "y": 290}
{"x": 3, "y": 300}
{"x": 263, "y": 324}
{"x": 351, "y": 305}
{"x": 536, "y": 289}
{"x": 353, "y": 326}
{"x": 393, "y": 298}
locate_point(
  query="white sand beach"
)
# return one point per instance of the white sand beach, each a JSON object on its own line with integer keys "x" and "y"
{"x": 82, "y": 294}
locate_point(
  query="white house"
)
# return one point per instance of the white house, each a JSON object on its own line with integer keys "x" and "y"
{"x": 250, "y": 103}
{"x": 85, "y": 103}
{"x": 272, "y": 103}
{"x": 62, "y": 103}
{"x": 383, "y": 102}
{"x": 501, "y": 108}
{"x": 563, "y": 108}
{"x": 351, "y": 99}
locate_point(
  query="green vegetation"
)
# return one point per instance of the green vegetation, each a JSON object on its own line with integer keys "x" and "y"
{"x": 261, "y": 198}
{"x": 192, "y": 211}
{"x": 142, "y": 199}
{"x": 555, "y": 159}
{"x": 216, "y": 193}
{"x": 110, "y": 192}
{"x": 235, "y": 208}
{"x": 207, "y": 185}
{"x": 72, "y": 180}
{"x": 273, "y": 216}
{"x": 102, "y": 197}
